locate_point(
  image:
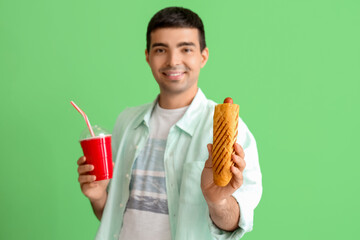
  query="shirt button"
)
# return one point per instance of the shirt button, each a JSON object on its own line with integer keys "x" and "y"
{"x": 127, "y": 176}
{"x": 115, "y": 236}
{"x": 121, "y": 205}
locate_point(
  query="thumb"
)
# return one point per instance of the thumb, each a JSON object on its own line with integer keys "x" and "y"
{"x": 208, "y": 162}
{"x": 210, "y": 147}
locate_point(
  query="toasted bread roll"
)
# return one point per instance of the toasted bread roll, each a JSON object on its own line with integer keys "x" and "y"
{"x": 226, "y": 117}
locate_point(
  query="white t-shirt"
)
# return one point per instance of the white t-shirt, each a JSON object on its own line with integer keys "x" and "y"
{"x": 146, "y": 215}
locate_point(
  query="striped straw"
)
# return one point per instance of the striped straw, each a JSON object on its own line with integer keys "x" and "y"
{"x": 85, "y": 117}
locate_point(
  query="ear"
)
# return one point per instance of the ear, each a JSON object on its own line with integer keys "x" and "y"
{"x": 147, "y": 56}
{"x": 204, "y": 56}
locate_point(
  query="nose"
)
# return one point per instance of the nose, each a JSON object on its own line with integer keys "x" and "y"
{"x": 174, "y": 58}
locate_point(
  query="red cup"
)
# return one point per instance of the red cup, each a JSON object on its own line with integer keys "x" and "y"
{"x": 97, "y": 151}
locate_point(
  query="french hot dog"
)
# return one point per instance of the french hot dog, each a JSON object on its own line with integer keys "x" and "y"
{"x": 225, "y": 131}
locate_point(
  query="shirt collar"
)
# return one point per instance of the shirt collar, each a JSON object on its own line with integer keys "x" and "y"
{"x": 187, "y": 123}
{"x": 144, "y": 117}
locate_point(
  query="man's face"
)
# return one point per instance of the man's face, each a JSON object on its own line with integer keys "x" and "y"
{"x": 175, "y": 59}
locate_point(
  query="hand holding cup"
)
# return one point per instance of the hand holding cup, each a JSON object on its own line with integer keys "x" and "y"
{"x": 94, "y": 190}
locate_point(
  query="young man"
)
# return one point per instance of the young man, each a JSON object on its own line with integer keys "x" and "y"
{"x": 163, "y": 186}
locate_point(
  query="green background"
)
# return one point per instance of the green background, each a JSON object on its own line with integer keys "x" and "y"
{"x": 293, "y": 67}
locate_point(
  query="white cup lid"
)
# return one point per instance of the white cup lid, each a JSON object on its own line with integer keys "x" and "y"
{"x": 98, "y": 131}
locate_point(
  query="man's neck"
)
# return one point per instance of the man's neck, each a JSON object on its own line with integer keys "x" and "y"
{"x": 173, "y": 101}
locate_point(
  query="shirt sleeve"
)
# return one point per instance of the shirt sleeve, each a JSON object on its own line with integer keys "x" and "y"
{"x": 249, "y": 194}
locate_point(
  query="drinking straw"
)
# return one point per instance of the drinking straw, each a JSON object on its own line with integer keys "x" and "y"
{"x": 85, "y": 117}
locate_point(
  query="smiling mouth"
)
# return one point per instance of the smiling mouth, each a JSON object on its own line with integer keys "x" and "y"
{"x": 174, "y": 75}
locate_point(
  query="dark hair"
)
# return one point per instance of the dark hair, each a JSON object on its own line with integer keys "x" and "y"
{"x": 176, "y": 17}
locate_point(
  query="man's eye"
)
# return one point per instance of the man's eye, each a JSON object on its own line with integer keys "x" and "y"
{"x": 187, "y": 50}
{"x": 159, "y": 50}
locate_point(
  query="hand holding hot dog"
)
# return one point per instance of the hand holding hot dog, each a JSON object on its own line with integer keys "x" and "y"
{"x": 226, "y": 158}
{"x": 223, "y": 171}
{"x": 213, "y": 193}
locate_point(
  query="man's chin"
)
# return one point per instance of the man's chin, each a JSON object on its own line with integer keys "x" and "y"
{"x": 179, "y": 89}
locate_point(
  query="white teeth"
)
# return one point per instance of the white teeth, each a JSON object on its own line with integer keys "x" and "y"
{"x": 174, "y": 74}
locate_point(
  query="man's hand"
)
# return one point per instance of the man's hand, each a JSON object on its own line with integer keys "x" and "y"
{"x": 212, "y": 192}
{"x": 223, "y": 208}
{"x": 95, "y": 191}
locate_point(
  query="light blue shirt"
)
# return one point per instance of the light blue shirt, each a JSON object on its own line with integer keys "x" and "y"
{"x": 186, "y": 144}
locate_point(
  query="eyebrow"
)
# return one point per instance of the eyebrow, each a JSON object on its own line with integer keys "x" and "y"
{"x": 186, "y": 44}
{"x": 178, "y": 45}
